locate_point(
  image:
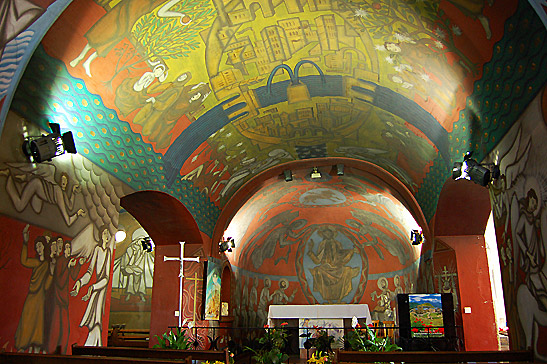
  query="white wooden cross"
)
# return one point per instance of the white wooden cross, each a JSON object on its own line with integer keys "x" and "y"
{"x": 182, "y": 259}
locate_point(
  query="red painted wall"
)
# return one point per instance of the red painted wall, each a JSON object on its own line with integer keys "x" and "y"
{"x": 479, "y": 326}
{"x": 165, "y": 295}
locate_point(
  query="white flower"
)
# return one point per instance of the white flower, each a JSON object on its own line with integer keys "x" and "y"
{"x": 389, "y": 60}
{"x": 425, "y": 77}
{"x": 403, "y": 38}
{"x": 439, "y": 44}
{"x": 440, "y": 33}
{"x": 354, "y": 322}
{"x": 362, "y": 13}
{"x": 456, "y": 30}
{"x": 380, "y": 47}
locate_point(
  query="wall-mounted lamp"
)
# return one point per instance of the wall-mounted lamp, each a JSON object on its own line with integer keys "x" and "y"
{"x": 46, "y": 147}
{"x": 474, "y": 171}
{"x": 315, "y": 173}
{"x": 120, "y": 234}
{"x": 148, "y": 245}
{"x": 340, "y": 169}
{"x": 226, "y": 245}
{"x": 416, "y": 237}
{"x": 288, "y": 175}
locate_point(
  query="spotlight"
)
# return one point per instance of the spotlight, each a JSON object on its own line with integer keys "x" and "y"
{"x": 226, "y": 245}
{"x": 416, "y": 237}
{"x": 288, "y": 175}
{"x": 315, "y": 173}
{"x": 148, "y": 245}
{"x": 340, "y": 169}
{"x": 472, "y": 170}
{"x": 46, "y": 147}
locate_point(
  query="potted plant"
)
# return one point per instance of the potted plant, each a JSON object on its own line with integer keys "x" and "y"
{"x": 174, "y": 339}
{"x": 271, "y": 346}
{"x": 364, "y": 339}
{"x": 321, "y": 342}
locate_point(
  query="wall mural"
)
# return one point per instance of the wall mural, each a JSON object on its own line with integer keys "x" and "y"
{"x": 79, "y": 203}
{"x": 335, "y": 239}
{"x": 518, "y": 203}
{"x": 132, "y": 278}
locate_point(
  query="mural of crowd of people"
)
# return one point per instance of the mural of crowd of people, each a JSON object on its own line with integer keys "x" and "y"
{"x": 68, "y": 280}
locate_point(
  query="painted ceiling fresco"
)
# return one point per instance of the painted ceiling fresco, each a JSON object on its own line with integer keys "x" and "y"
{"x": 331, "y": 236}
{"x": 195, "y": 97}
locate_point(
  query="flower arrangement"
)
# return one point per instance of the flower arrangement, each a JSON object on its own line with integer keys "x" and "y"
{"x": 320, "y": 357}
{"x": 322, "y": 341}
{"x": 176, "y": 339}
{"x": 364, "y": 339}
{"x": 271, "y": 346}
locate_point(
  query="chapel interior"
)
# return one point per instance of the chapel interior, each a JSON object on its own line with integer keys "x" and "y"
{"x": 204, "y": 163}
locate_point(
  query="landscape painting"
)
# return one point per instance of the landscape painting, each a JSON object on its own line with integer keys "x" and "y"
{"x": 426, "y": 315}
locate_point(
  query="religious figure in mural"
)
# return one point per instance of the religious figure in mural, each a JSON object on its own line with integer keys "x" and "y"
{"x": 173, "y": 100}
{"x": 133, "y": 265}
{"x": 96, "y": 293}
{"x": 280, "y": 236}
{"x": 253, "y": 301}
{"x": 264, "y": 302}
{"x": 331, "y": 276}
{"x": 279, "y": 297}
{"x": 59, "y": 322}
{"x": 473, "y": 9}
{"x": 383, "y": 310}
{"x": 529, "y": 237}
{"x": 35, "y": 186}
{"x": 132, "y": 94}
{"x": 30, "y": 332}
{"x": 109, "y": 30}
{"x": 244, "y": 310}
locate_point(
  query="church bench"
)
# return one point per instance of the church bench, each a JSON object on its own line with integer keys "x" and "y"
{"x": 151, "y": 353}
{"x": 435, "y": 356}
{"x": 27, "y": 358}
{"x": 119, "y": 336}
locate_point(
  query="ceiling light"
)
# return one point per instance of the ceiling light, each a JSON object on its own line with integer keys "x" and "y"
{"x": 226, "y": 245}
{"x": 46, "y": 147}
{"x": 474, "y": 171}
{"x": 288, "y": 175}
{"x": 416, "y": 237}
{"x": 148, "y": 245}
{"x": 315, "y": 173}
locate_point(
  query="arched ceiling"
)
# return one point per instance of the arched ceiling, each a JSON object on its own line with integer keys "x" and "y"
{"x": 195, "y": 97}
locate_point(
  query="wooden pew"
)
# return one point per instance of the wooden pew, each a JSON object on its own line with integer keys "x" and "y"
{"x": 26, "y": 358}
{"x": 130, "y": 352}
{"x": 119, "y": 336}
{"x": 435, "y": 356}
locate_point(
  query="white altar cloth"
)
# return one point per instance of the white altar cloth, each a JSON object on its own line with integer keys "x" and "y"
{"x": 319, "y": 312}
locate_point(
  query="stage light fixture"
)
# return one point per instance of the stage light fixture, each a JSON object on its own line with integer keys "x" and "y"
{"x": 148, "y": 245}
{"x": 226, "y": 245}
{"x": 46, "y": 147}
{"x": 416, "y": 237}
{"x": 288, "y": 175}
{"x": 472, "y": 170}
{"x": 315, "y": 173}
